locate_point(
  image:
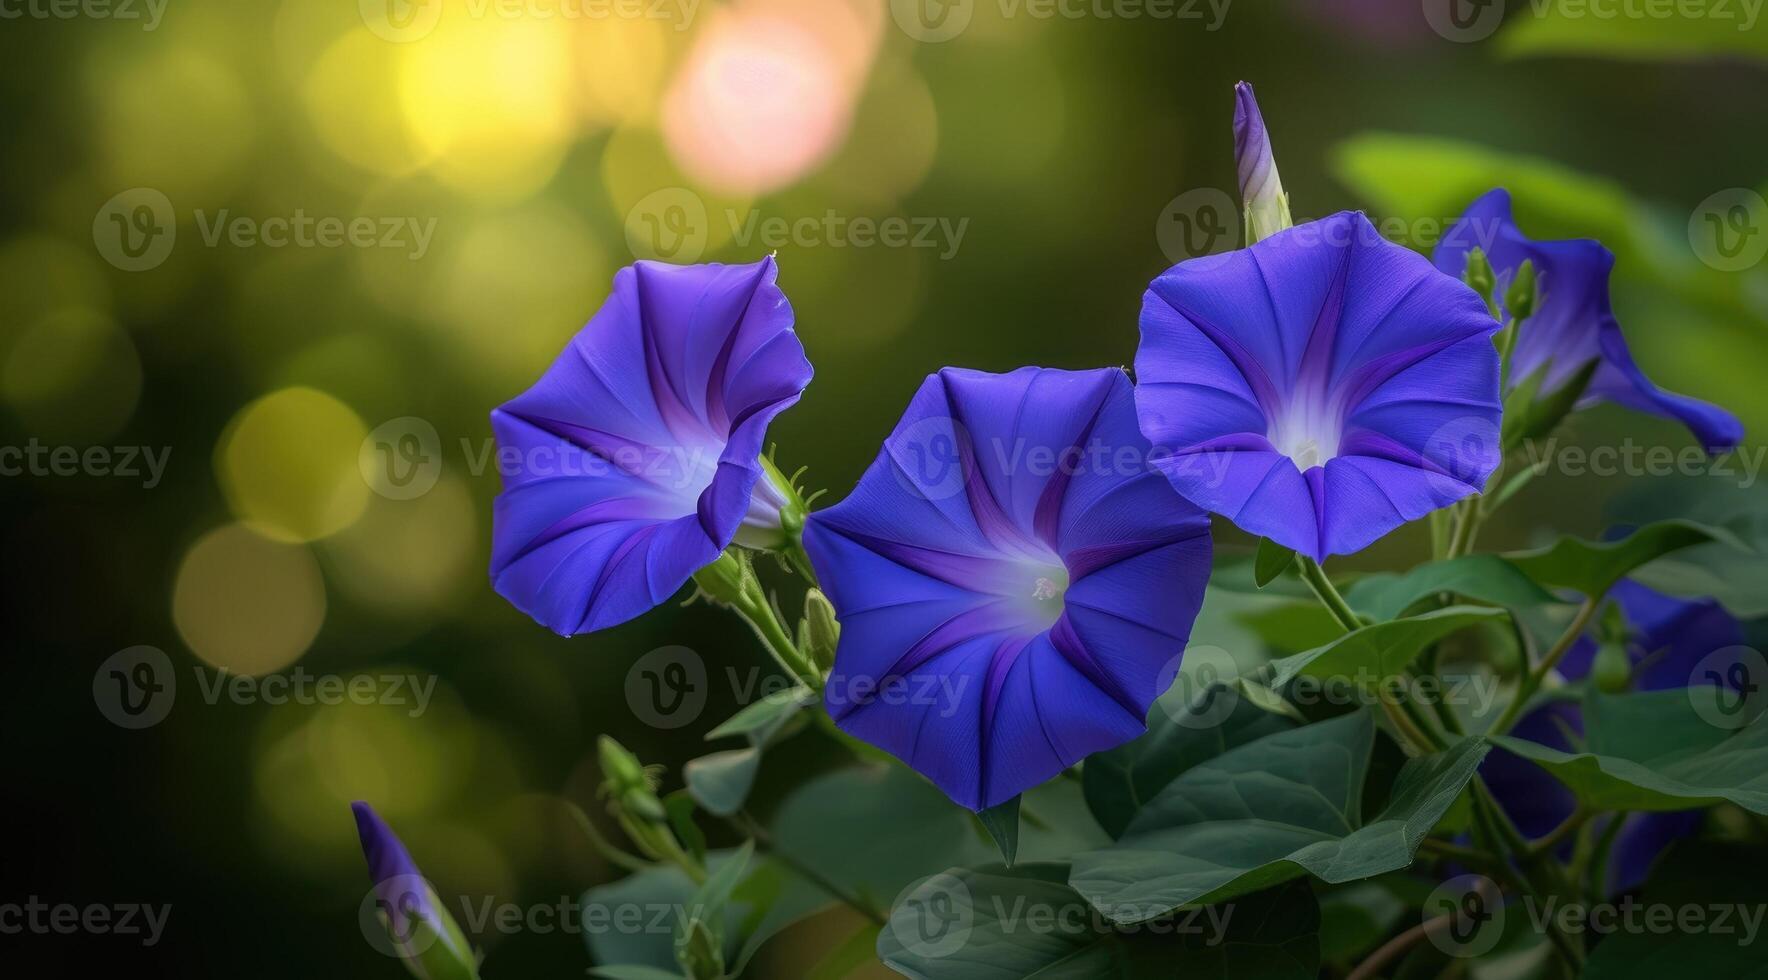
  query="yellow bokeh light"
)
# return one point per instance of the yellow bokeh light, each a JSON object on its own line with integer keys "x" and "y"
{"x": 74, "y": 375}
{"x": 490, "y": 96}
{"x": 351, "y": 97}
{"x": 41, "y": 276}
{"x": 246, "y": 604}
{"x": 287, "y": 464}
{"x": 153, "y": 110}
{"x": 621, "y": 62}
{"x": 410, "y": 555}
{"x": 515, "y": 287}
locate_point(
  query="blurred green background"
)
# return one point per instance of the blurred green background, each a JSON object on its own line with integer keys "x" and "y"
{"x": 518, "y": 154}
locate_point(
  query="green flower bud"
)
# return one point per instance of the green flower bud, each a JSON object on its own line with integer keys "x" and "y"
{"x": 1478, "y": 275}
{"x": 1613, "y": 670}
{"x": 1519, "y": 299}
{"x": 727, "y": 580}
{"x": 820, "y": 631}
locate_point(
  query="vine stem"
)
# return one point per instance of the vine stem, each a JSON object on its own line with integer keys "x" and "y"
{"x": 1531, "y": 682}
{"x": 1315, "y": 576}
{"x": 763, "y": 840}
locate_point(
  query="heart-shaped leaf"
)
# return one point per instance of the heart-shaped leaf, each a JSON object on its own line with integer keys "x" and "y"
{"x": 1592, "y": 567}
{"x": 1654, "y": 751}
{"x": 1484, "y": 578}
{"x": 1119, "y": 781}
{"x": 1268, "y": 811}
{"x": 1374, "y": 653}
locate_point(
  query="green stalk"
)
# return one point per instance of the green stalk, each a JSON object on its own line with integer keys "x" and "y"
{"x": 1531, "y": 681}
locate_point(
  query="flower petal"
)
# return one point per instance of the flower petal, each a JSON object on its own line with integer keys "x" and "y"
{"x": 1014, "y": 584}
{"x": 631, "y": 463}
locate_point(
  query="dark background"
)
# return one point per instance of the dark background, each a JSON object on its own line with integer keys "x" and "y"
{"x": 530, "y": 142}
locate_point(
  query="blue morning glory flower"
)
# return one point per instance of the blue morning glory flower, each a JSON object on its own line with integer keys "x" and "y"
{"x": 1015, "y": 585}
{"x": 1574, "y": 323}
{"x": 1320, "y": 388}
{"x": 423, "y": 934}
{"x": 635, "y": 459}
{"x": 1261, "y": 189}
{"x": 1670, "y": 637}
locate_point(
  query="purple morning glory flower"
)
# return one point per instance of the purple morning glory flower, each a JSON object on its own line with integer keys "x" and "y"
{"x": 1573, "y": 322}
{"x": 1015, "y": 584}
{"x": 1320, "y": 388}
{"x": 1670, "y": 638}
{"x": 635, "y": 459}
{"x": 423, "y": 934}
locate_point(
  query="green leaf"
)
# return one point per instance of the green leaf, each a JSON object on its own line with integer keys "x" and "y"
{"x": 1557, "y": 31}
{"x": 1383, "y": 650}
{"x": 1655, "y": 751}
{"x": 1002, "y": 823}
{"x": 720, "y": 782}
{"x": 1272, "y": 561}
{"x": 662, "y": 890}
{"x": 1119, "y": 781}
{"x": 1268, "y": 811}
{"x": 1483, "y": 578}
{"x": 1027, "y": 922}
{"x": 680, "y": 807}
{"x": 1729, "y": 575}
{"x": 1703, "y": 875}
{"x": 1591, "y": 567}
{"x": 700, "y": 940}
{"x": 760, "y": 721}
{"x": 1527, "y": 416}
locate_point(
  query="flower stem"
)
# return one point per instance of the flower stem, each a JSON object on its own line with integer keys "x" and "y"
{"x": 1531, "y": 681}
{"x": 1315, "y": 576}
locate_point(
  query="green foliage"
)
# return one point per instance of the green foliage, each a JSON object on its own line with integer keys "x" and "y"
{"x": 1002, "y": 823}
{"x": 1264, "y": 812}
{"x": 1482, "y": 578}
{"x": 1027, "y": 922}
{"x": 1592, "y": 567}
{"x": 1120, "y": 781}
{"x": 1382, "y": 650}
{"x": 1655, "y": 751}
